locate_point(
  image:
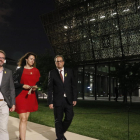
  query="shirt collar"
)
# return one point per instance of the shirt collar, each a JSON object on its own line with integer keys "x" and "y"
{"x": 61, "y": 69}
{"x": 2, "y": 70}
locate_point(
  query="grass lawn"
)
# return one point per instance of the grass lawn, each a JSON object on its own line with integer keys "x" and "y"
{"x": 97, "y": 119}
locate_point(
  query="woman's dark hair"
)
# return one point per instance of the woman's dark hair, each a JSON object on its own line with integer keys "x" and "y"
{"x": 22, "y": 60}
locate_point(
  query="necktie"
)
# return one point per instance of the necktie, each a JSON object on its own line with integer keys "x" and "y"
{"x": 61, "y": 76}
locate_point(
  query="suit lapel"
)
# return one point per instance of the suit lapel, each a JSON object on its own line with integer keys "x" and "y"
{"x": 58, "y": 75}
{"x": 65, "y": 74}
{"x": 3, "y": 77}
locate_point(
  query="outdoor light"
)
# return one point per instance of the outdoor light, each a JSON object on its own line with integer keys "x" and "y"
{"x": 17, "y": 67}
{"x": 93, "y": 19}
{"x": 102, "y": 17}
{"x": 138, "y": 7}
{"x": 113, "y": 14}
{"x": 126, "y": 10}
{"x": 66, "y": 27}
{"x": 39, "y": 89}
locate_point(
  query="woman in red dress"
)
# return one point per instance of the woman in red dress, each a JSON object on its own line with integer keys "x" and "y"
{"x": 26, "y": 79}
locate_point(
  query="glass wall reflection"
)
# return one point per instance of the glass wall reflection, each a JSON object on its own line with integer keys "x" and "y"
{"x": 97, "y": 83}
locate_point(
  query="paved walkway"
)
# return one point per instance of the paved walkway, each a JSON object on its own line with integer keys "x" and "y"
{"x": 39, "y": 132}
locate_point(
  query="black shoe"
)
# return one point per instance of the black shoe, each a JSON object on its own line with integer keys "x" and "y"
{"x": 64, "y": 138}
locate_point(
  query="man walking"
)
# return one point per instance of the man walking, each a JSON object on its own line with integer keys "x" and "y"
{"x": 7, "y": 96}
{"x": 62, "y": 96}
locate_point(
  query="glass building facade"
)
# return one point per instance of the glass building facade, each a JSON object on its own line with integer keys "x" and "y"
{"x": 95, "y": 34}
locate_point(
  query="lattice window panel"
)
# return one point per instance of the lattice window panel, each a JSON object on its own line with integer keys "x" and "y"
{"x": 117, "y": 53}
{"x": 126, "y": 7}
{"x": 94, "y": 30}
{"x": 126, "y": 50}
{"x": 67, "y": 48}
{"x": 59, "y": 27}
{"x": 89, "y": 55}
{"x": 105, "y": 54}
{"x": 134, "y": 38}
{"x": 80, "y": 9}
{"x": 65, "y": 37}
{"x": 97, "y": 19}
{"x": 79, "y": 20}
{"x": 115, "y": 40}
{"x": 76, "y": 57}
{"x": 74, "y": 47}
{"x": 137, "y": 50}
{"x": 105, "y": 42}
{"x": 98, "y": 54}
{"x": 74, "y": 35}
{"x": 96, "y": 43}
{"x": 129, "y": 22}
{"x": 84, "y": 46}
{"x": 132, "y": 50}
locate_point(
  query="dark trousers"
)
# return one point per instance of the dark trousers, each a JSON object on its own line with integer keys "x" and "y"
{"x": 61, "y": 125}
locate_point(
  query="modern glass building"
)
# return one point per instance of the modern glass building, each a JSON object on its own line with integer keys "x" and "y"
{"x": 95, "y": 34}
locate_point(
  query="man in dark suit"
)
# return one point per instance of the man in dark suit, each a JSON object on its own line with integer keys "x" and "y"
{"x": 7, "y": 96}
{"x": 62, "y": 96}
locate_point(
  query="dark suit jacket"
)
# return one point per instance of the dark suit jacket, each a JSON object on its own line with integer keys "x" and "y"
{"x": 7, "y": 87}
{"x": 17, "y": 77}
{"x": 56, "y": 88}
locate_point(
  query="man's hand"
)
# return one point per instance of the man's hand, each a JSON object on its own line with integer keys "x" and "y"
{"x": 13, "y": 108}
{"x": 51, "y": 106}
{"x": 74, "y": 103}
{"x": 26, "y": 87}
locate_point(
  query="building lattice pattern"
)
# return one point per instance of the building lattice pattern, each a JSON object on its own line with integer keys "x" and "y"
{"x": 87, "y": 30}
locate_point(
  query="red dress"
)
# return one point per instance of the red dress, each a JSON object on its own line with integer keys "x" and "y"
{"x": 28, "y": 102}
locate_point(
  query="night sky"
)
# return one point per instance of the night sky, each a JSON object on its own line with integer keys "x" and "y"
{"x": 21, "y": 29}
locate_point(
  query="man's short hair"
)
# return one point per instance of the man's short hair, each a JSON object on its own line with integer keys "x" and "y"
{"x": 58, "y": 56}
{"x": 1, "y": 51}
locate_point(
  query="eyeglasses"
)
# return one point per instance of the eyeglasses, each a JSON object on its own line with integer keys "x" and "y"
{"x": 59, "y": 61}
{"x": 2, "y": 58}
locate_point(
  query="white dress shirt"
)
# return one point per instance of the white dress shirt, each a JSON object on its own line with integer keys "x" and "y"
{"x": 1, "y": 74}
{"x": 62, "y": 72}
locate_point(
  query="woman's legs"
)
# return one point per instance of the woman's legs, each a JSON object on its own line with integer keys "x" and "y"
{"x": 23, "y": 124}
{"x": 28, "y": 113}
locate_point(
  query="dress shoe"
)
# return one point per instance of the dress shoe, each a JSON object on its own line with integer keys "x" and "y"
{"x": 62, "y": 139}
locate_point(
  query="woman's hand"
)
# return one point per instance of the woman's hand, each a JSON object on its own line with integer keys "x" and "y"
{"x": 34, "y": 88}
{"x": 26, "y": 87}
